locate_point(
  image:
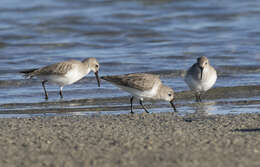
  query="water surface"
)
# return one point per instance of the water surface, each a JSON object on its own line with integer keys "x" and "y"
{"x": 159, "y": 36}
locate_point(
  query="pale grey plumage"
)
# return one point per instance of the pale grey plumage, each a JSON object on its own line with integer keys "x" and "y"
{"x": 201, "y": 76}
{"x": 64, "y": 73}
{"x": 140, "y": 81}
{"x": 55, "y": 69}
{"x": 142, "y": 85}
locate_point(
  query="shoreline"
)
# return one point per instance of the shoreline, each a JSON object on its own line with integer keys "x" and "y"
{"x": 221, "y": 96}
{"x": 159, "y": 139}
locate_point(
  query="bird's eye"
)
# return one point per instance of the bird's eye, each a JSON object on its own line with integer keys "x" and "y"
{"x": 170, "y": 95}
{"x": 96, "y": 66}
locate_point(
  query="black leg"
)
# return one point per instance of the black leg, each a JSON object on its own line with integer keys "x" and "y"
{"x": 131, "y": 101}
{"x": 61, "y": 95}
{"x": 45, "y": 92}
{"x": 198, "y": 97}
{"x": 173, "y": 106}
{"x": 141, "y": 102}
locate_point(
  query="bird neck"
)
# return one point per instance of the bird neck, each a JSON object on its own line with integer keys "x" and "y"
{"x": 160, "y": 92}
{"x": 86, "y": 66}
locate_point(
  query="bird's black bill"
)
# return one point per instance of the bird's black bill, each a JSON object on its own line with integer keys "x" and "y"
{"x": 201, "y": 72}
{"x": 173, "y": 106}
{"x": 98, "y": 80}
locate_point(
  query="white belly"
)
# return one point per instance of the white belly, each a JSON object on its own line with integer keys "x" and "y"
{"x": 201, "y": 85}
{"x": 140, "y": 94}
{"x": 69, "y": 78}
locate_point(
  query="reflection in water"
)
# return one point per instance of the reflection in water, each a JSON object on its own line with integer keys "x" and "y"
{"x": 158, "y": 36}
{"x": 205, "y": 108}
{"x": 217, "y": 102}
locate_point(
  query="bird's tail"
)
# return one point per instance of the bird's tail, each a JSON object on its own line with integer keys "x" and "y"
{"x": 28, "y": 73}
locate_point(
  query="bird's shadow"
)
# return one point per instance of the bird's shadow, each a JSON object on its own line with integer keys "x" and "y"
{"x": 247, "y": 130}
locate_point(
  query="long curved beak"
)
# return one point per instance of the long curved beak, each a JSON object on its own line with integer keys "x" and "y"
{"x": 98, "y": 80}
{"x": 201, "y": 72}
{"x": 173, "y": 106}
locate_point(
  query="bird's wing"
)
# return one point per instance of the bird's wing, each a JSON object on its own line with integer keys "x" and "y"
{"x": 56, "y": 69}
{"x": 194, "y": 71}
{"x": 137, "y": 81}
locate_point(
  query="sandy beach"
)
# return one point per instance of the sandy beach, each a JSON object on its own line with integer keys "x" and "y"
{"x": 162, "y": 139}
{"x": 91, "y": 125}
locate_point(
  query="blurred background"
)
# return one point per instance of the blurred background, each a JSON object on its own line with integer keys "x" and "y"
{"x": 126, "y": 36}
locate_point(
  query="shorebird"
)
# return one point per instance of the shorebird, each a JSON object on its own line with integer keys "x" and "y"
{"x": 200, "y": 77}
{"x": 142, "y": 86}
{"x": 64, "y": 73}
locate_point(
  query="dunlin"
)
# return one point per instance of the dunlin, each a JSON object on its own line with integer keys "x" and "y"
{"x": 64, "y": 73}
{"x": 200, "y": 77}
{"x": 142, "y": 86}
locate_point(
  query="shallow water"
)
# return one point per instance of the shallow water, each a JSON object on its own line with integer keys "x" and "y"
{"x": 158, "y": 36}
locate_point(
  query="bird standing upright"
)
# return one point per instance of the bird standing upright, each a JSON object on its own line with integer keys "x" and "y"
{"x": 200, "y": 77}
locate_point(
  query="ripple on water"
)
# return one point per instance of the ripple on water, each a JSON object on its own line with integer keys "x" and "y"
{"x": 160, "y": 37}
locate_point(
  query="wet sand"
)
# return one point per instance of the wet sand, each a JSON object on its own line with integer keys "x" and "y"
{"x": 162, "y": 139}
{"x": 237, "y": 95}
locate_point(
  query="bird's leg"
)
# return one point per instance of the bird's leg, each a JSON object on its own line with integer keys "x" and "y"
{"x": 198, "y": 97}
{"x": 131, "y": 101}
{"x": 141, "y": 102}
{"x": 61, "y": 95}
{"x": 45, "y": 92}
